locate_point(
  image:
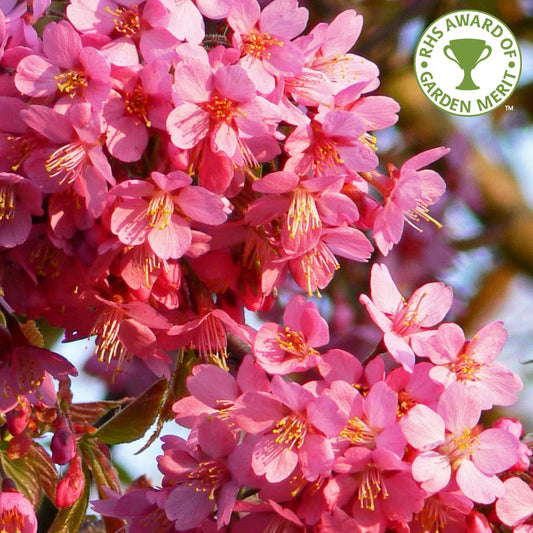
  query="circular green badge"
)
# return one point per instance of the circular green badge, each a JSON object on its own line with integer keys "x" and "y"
{"x": 467, "y": 62}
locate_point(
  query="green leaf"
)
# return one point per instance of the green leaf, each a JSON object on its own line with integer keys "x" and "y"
{"x": 131, "y": 422}
{"x": 33, "y": 473}
{"x": 100, "y": 465}
{"x": 69, "y": 520}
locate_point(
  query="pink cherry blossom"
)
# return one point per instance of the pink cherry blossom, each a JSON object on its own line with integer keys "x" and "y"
{"x": 67, "y": 68}
{"x": 472, "y": 363}
{"x": 264, "y": 39}
{"x": 149, "y": 212}
{"x": 408, "y": 193}
{"x": 138, "y": 102}
{"x": 219, "y": 114}
{"x": 314, "y": 269}
{"x": 214, "y": 391}
{"x": 78, "y": 161}
{"x": 451, "y": 442}
{"x": 402, "y": 321}
{"x": 19, "y": 200}
{"x": 150, "y": 26}
{"x": 334, "y": 142}
{"x": 291, "y": 347}
{"x": 199, "y": 471}
{"x": 287, "y": 423}
{"x": 16, "y": 513}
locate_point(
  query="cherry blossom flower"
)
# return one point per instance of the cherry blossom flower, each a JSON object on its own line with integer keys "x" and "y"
{"x": 138, "y": 102}
{"x": 408, "y": 193}
{"x": 450, "y": 441}
{"x": 79, "y": 161}
{"x": 472, "y": 363}
{"x": 291, "y": 347}
{"x": 29, "y": 371}
{"x": 16, "y": 512}
{"x": 67, "y": 68}
{"x": 19, "y": 200}
{"x": 334, "y": 142}
{"x": 287, "y": 423}
{"x": 200, "y": 474}
{"x": 402, "y": 321}
{"x": 264, "y": 39}
{"x": 218, "y": 112}
{"x": 150, "y": 26}
{"x": 147, "y": 212}
{"x": 214, "y": 391}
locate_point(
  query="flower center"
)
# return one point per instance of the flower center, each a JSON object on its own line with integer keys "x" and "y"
{"x": 357, "y": 432}
{"x": 160, "y": 210}
{"x": 318, "y": 266}
{"x": 20, "y": 148}
{"x": 45, "y": 259}
{"x": 290, "y": 431}
{"x": 221, "y": 109}
{"x": 294, "y": 342}
{"x": 67, "y": 162}
{"x": 208, "y": 477}
{"x": 432, "y": 517}
{"x": 372, "y": 487}
{"x": 407, "y": 318}
{"x": 70, "y": 82}
{"x": 12, "y": 521}
{"x": 7, "y": 201}
{"x": 303, "y": 215}
{"x": 137, "y": 105}
{"x": 405, "y": 402}
{"x": 326, "y": 155}
{"x": 466, "y": 368}
{"x": 258, "y": 45}
{"x": 126, "y": 20}
{"x": 211, "y": 341}
{"x": 108, "y": 345}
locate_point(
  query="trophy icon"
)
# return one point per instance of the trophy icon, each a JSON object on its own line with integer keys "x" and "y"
{"x": 467, "y": 53}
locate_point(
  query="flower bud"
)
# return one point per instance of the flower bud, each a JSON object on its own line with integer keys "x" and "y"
{"x": 63, "y": 445}
{"x": 71, "y": 485}
{"x": 17, "y": 419}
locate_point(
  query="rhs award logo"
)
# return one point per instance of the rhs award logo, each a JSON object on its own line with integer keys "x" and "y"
{"x": 468, "y": 62}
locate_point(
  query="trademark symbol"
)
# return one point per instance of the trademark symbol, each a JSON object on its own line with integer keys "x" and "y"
{"x": 509, "y": 107}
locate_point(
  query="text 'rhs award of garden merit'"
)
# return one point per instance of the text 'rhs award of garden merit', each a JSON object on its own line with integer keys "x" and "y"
{"x": 468, "y": 62}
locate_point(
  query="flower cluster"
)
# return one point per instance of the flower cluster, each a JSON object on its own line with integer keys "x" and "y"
{"x": 310, "y": 440}
{"x": 166, "y": 165}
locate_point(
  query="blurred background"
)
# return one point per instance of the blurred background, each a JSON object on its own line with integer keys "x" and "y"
{"x": 485, "y": 248}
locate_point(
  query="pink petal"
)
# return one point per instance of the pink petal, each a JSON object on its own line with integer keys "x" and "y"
{"x": 224, "y": 139}
{"x": 383, "y": 290}
{"x": 202, "y": 205}
{"x": 496, "y": 451}
{"x": 516, "y": 504}
{"x": 284, "y": 18}
{"x": 129, "y": 221}
{"x": 432, "y": 470}
{"x": 431, "y": 301}
{"x": 187, "y": 125}
{"x": 188, "y": 507}
{"x": 423, "y": 428}
{"x": 458, "y": 408}
{"x": 212, "y": 385}
{"x": 381, "y": 405}
{"x": 315, "y": 457}
{"x": 173, "y": 240}
{"x": 61, "y": 44}
{"x": 275, "y": 461}
{"x": 477, "y": 486}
